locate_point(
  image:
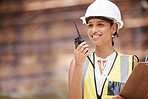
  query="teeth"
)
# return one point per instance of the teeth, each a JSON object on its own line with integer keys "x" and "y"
{"x": 96, "y": 36}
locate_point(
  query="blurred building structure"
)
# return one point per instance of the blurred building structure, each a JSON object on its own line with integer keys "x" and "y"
{"x": 36, "y": 42}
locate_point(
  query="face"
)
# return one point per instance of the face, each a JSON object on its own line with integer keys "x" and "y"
{"x": 100, "y": 31}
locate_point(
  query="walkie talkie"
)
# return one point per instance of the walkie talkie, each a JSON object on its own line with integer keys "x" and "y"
{"x": 79, "y": 40}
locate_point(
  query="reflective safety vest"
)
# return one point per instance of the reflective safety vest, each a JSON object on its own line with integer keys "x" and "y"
{"x": 117, "y": 76}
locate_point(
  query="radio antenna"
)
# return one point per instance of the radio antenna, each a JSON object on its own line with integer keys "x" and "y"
{"x": 77, "y": 29}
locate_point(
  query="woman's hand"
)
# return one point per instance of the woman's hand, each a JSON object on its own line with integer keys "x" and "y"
{"x": 117, "y": 97}
{"x": 80, "y": 54}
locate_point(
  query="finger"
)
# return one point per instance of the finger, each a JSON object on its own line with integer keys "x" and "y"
{"x": 79, "y": 46}
{"x": 117, "y": 97}
{"x": 83, "y": 48}
{"x": 85, "y": 51}
{"x": 74, "y": 47}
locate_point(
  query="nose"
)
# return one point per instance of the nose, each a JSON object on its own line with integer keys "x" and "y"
{"x": 94, "y": 29}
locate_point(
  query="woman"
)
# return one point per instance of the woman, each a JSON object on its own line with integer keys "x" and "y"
{"x": 105, "y": 79}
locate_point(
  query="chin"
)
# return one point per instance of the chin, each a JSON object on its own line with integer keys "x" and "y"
{"x": 97, "y": 43}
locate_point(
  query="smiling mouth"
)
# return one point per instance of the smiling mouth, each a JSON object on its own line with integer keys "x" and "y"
{"x": 95, "y": 36}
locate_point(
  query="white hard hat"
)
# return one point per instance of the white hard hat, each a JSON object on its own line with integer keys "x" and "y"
{"x": 106, "y": 9}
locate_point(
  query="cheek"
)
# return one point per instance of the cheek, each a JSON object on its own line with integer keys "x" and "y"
{"x": 107, "y": 33}
{"x": 88, "y": 32}
{"x": 107, "y": 30}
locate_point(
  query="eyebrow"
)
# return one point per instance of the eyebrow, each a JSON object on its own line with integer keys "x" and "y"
{"x": 97, "y": 22}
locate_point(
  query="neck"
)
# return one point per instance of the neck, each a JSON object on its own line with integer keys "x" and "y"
{"x": 104, "y": 51}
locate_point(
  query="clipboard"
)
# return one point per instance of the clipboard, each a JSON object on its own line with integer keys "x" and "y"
{"x": 136, "y": 86}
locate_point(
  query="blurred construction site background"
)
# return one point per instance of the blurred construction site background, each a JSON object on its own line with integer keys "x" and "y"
{"x": 36, "y": 43}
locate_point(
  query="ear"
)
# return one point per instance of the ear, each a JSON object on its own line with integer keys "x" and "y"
{"x": 114, "y": 28}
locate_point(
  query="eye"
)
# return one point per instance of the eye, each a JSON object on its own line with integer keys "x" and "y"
{"x": 90, "y": 25}
{"x": 100, "y": 24}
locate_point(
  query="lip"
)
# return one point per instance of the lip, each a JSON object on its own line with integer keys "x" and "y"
{"x": 96, "y": 36}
